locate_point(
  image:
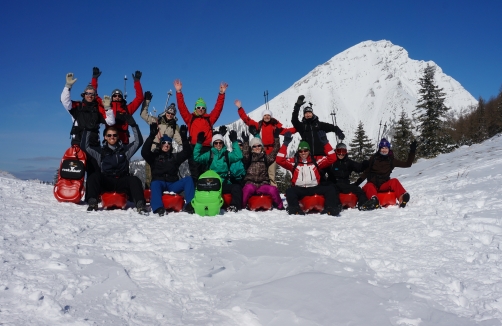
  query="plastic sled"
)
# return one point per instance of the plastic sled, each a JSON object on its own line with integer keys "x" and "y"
{"x": 312, "y": 203}
{"x": 260, "y": 202}
{"x": 69, "y": 186}
{"x": 348, "y": 200}
{"x": 208, "y": 200}
{"x": 227, "y": 199}
{"x": 147, "y": 193}
{"x": 111, "y": 200}
{"x": 387, "y": 198}
{"x": 173, "y": 202}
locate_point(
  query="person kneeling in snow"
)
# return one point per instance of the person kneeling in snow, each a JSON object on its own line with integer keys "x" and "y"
{"x": 257, "y": 177}
{"x": 306, "y": 175}
{"x": 165, "y": 167}
{"x": 219, "y": 160}
{"x": 113, "y": 159}
{"x": 378, "y": 173}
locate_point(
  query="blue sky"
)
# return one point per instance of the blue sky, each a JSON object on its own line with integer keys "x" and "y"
{"x": 252, "y": 45}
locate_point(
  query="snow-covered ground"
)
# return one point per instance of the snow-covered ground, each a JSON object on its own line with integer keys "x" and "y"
{"x": 436, "y": 262}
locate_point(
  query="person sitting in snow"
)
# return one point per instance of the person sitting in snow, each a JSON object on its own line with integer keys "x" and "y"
{"x": 306, "y": 176}
{"x": 165, "y": 167}
{"x": 257, "y": 179}
{"x": 378, "y": 173}
{"x": 113, "y": 159}
{"x": 265, "y": 128}
{"x": 219, "y": 160}
{"x": 167, "y": 125}
{"x": 340, "y": 171}
{"x": 310, "y": 125}
{"x": 119, "y": 105}
{"x": 199, "y": 121}
{"x": 237, "y": 170}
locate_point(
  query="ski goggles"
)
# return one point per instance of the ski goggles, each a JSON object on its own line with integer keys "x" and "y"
{"x": 341, "y": 151}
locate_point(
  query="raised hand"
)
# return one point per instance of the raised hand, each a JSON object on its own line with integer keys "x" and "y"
{"x": 252, "y": 130}
{"x": 178, "y": 85}
{"x": 245, "y": 137}
{"x": 154, "y": 129}
{"x": 201, "y": 137}
{"x": 223, "y": 87}
{"x": 107, "y": 102}
{"x": 137, "y": 75}
{"x": 232, "y": 136}
{"x": 96, "y": 72}
{"x": 301, "y": 100}
{"x": 183, "y": 133}
{"x": 288, "y": 137}
{"x": 70, "y": 80}
{"x": 223, "y": 130}
{"x": 238, "y": 104}
{"x": 148, "y": 95}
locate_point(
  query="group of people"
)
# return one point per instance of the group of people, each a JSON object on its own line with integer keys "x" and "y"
{"x": 247, "y": 169}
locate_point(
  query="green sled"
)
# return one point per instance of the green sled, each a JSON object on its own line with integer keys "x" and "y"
{"x": 208, "y": 200}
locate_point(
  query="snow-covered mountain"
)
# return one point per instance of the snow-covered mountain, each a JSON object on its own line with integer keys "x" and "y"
{"x": 369, "y": 82}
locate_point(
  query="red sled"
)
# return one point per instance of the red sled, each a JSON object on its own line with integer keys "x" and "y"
{"x": 387, "y": 198}
{"x": 260, "y": 202}
{"x": 348, "y": 200}
{"x": 227, "y": 199}
{"x": 147, "y": 193}
{"x": 312, "y": 203}
{"x": 70, "y": 184}
{"x": 173, "y": 202}
{"x": 111, "y": 200}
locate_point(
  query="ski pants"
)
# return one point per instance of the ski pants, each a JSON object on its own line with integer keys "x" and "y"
{"x": 346, "y": 188}
{"x": 251, "y": 189}
{"x": 294, "y": 194}
{"x": 158, "y": 187}
{"x": 92, "y": 168}
{"x": 98, "y": 183}
{"x": 236, "y": 191}
{"x": 370, "y": 189}
{"x": 197, "y": 169}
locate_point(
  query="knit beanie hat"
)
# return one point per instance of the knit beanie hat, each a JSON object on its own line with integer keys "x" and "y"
{"x": 216, "y": 137}
{"x": 200, "y": 102}
{"x": 255, "y": 141}
{"x": 171, "y": 109}
{"x": 167, "y": 139}
{"x": 304, "y": 145}
{"x": 307, "y": 109}
{"x": 267, "y": 112}
{"x": 384, "y": 143}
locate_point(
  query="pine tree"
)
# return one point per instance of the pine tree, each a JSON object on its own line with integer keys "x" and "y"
{"x": 283, "y": 179}
{"x": 402, "y": 137}
{"x": 361, "y": 146}
{"x": 431, "y": 112}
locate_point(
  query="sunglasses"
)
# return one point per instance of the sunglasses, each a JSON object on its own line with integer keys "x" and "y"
{"x": 165, "y": 142}
{"x": 117, "y": 95}
{"x": 90, "y": 94}
{"x": 218, "y": 143}
{"x": 341, "y": 151}
{"x": 303, "y": 151}
{"x": 200, "y": 108}
{"x": 169, "y": 113}
{"x": 255, "y": 146}
{"x": 112, "y": 135}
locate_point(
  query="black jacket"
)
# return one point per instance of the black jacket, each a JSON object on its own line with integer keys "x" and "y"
{"x": 165, "y": 165}
{"x": 341, "y": 170}
{"x": 308, "y": 129}
{"x": 87, "y": 117}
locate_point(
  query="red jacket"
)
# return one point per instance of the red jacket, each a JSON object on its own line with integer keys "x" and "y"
{"x": 204, "y": 122}
{"x": 267, "y": 129}
{"x": 120, "y": 108}
{"x": 306, "y": 174}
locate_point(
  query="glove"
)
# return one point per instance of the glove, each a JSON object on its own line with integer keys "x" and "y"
{"x": 322, "y": 137}
{"x": 148, "y": 96}
{"x": 277, "y": 132}
{"x": 287, "y": 138}
{"x": 339, "y": 133}
{"x": 301, "y": 100}
{"x": 413, "y": 146}
{"x": 137, "y": 75}
{"x": 201, "y": 136}
{"x": 107, "y": 102}
{"x": 183, "y": 133}
{"x": 232, "y": 135}
{"x": 223, "y": 130}
{"x": 130, "y": 120}
{"x": 253, "y": 131}
{"x": 154, "y": 129}
{"x": 70, "y": 80}
{"x": 95, "y": 72}
{"x": 245, "y": 138}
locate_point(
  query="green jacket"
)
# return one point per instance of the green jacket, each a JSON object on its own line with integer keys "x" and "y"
{"x": 238, "y": 171}
{"x": 218, "y": 164}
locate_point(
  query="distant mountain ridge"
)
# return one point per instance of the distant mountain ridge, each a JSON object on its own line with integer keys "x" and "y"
{"x": 369, "y": 82}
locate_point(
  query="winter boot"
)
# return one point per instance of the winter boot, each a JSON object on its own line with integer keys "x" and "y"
{"x": 404, "y": 199}
{"x": 189, "y": 209}
{"x": 93, "y": 205}
{"x": 161, "y": 211}
{"x": 295, "y": 210}
{"x": 232, "y": 209}
{"x": 335, "y": 211}
{"x": 140, "y": 206}
{"x": 370, "y": 204}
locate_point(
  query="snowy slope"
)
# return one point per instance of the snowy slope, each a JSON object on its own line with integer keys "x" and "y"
{"x": 369, "y": 82}
{"x": 436, "y": 262}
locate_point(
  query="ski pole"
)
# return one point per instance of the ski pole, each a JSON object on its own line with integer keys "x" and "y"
{"x": 168, "y": 97}
{"x": 125, "y": 87}
{"x": 333, "y": 119}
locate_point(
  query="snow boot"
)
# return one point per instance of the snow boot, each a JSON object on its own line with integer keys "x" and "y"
{"x": 370, "y": 204}
{"x": 232, "y": 209}
{"x": 140, "y": 206}
{"x": 404, "y": 199}
{"x": 296, "y": 210}
{"x": 334, "y": 211}
{"x": 161, "y": 211}
{"x": 93, "y": 205}
{"x": 189, "y": 209}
